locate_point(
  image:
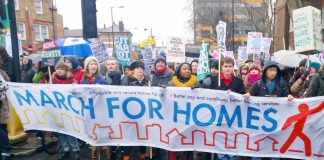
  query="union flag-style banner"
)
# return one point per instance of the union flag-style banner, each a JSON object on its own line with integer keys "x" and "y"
{"x": 176, "y": 119}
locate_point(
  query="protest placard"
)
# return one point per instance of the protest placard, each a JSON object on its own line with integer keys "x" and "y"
{"x": 242, "y": 54}
{"x": 265, "y": 44}
{"x": 123, "y": 51}
{"x": 99, "y": 51}
{"x": 254, "y": 42}
{"x": 221, "y": 35}
{"x": 203, "y": 65}
{"x": 176, "y": 119}
{"x": 307, "y": 26}
{"x": 175, "y": 50}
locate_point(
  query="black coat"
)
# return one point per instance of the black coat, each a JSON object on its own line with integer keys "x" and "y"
{"x": 129, "y": 81}
{"x": 27, "y": 72}
{"x": 113, "y": 78}
{"x": 260, "y": 89}
{"x": 236, "y": 85}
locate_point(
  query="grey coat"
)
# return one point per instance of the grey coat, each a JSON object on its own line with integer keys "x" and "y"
{"x": 161, "y": 81}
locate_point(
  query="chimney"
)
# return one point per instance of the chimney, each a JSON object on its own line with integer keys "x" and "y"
{"x": 121, "y": 26}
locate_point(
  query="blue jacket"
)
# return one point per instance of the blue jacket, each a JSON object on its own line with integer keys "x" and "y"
{"x": 99, "y": 80}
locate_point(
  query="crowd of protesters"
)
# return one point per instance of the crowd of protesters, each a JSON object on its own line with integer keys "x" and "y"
{"x": 252, "y": 79}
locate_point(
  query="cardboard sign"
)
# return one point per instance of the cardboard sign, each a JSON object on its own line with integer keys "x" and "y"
{"x": 51, "y": 57}
{"x": 123, "y": 51}
{"x": 175, "y": 50}
{"x": 221, "y": 35}
{"x": 203, "y": 65}
{"x": 265, "y": 44}
{"x": 99, "y": 51}
{"x": 148, "y": 54}
{"x": 254, "y": 42}
{"x": 307, "y": 29}
{"x": 242, "y": 54}
{"x": 50, "y": 45}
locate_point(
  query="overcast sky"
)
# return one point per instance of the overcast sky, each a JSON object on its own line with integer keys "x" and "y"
{"x": 165, "y": 17}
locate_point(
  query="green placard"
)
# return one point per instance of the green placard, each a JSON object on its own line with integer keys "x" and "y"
{"x": 51, "y": 57}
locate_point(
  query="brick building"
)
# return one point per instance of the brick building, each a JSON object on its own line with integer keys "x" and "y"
{"x": 284, "y": 34}
{"x": 37, "y": 21}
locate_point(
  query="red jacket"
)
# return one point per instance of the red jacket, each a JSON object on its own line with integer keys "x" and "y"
{"x": 78, "y": 75}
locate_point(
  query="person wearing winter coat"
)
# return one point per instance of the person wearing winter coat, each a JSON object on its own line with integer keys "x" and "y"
{"x": 5, "y": 147}
{"x": 92, "y": 74}
{"x": 77, "y": 70}
{"x": 299, "y": 72}
{"x": 183, "y": 77}
{"x": 270, "y": 85}
{"x": 136, "y": 77}
{"x": 26, "y": 70}
{"x": 244, "y": 70}
{"x": 113, "y": 74}
{"x": 162, "y": 75}
{"x": 254, "y": 75}
{"x": 299, "y": 88}
{"x": 316, "y": 85}
{"x": 6, "y": 62}
{"x": 213, "y": 75}
{"x": 63, "y": 75}
{"x": 40, "y": 73}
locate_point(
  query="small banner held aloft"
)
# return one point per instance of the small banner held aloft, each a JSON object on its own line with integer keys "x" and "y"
{"x": 148, "y": 54}
{"x": 99, "y": 51}
{"x": 242, "y": 54}
{"x": 221, "y": 35}
{"x": 123, "y": 51}
{"x": 203, "y": 65}
{"x": 265, "y": 45}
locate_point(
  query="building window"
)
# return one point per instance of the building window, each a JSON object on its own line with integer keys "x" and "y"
{"x": 21, "y": 30}
{"x": 39, "y": 6}
{"x": 17, "y": 5}
{"x": 41, "y": 32}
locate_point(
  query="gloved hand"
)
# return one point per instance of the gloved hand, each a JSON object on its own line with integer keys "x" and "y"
{"x": 305, "y": 75}
{"x": 194, "y": 86}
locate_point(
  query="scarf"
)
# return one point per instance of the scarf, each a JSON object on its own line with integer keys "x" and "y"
{"x": 253, "y": 78}
{"x": 191, "y": 82}
{"x": 227, "y": 81}
{"x": 90, "y": 78}
{"x": 160, "y": 72}
{"x": 139, "y": 78}
{"x": 62, "y": 80}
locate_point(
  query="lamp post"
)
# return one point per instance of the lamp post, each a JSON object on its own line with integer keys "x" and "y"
{"x": 145, "y": 29}
{"x": 112, "y": 26}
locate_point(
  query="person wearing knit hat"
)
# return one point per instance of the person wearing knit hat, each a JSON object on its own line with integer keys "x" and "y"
{"x": 136, "y": 77}
{"x": 63, "y": 75}
{"x": 92, "y": 73}
{"x": 299, "y": 88}
{"x": 161, "y": 75}
{"x": 213, "y": 74}
{"x": 77, "y": 70}
{"x": 183, "y": 77}
{"x": 254, "y": 75}
{"x": 244, "y": 70}
{"x": 298, "y": 72}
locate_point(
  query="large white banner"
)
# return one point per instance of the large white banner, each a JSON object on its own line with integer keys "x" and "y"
{"x": 177, "y": 119}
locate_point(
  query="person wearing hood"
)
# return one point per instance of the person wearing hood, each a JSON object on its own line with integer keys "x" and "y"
{"x": 253, "y": 76}
{"x": 194, "y": 66}
{"x": 213, "y": 75}
{"x": 136, "y": 77}
{"x": 162, "y": 75}
{"x": 316, "y": 85}
{"x": 299, "y": 88}
{"x": 77, "y": 70}
{"x": 113, "y": 74}
{"x": 271, "y": 83}
{"x": 92, "y": 73}
{"x": 26, "y": 70}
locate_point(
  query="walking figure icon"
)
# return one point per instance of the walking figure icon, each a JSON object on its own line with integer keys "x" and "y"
{"x": 300, "y": 120}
